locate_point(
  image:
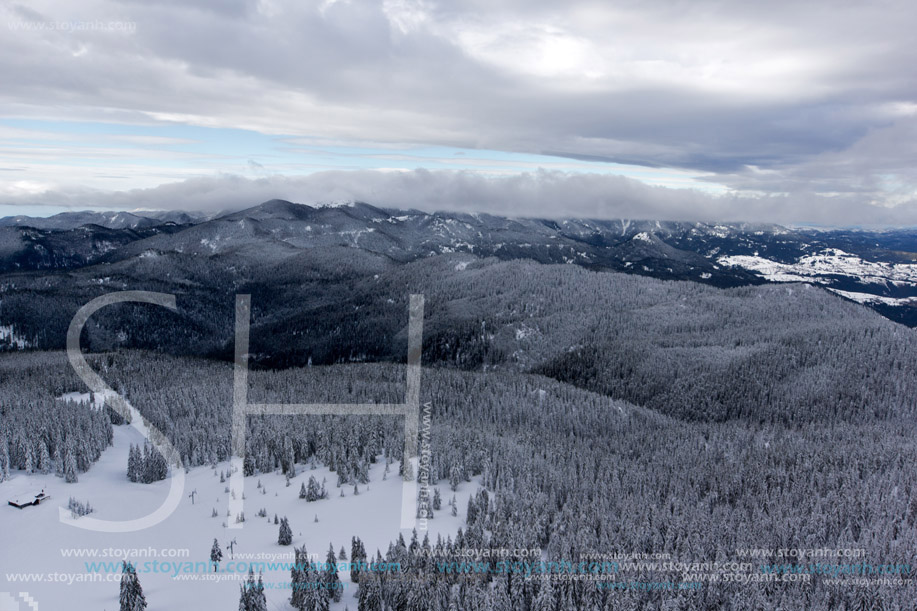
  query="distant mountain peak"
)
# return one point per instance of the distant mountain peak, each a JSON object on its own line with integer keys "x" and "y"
{"x": 279, "y": 209}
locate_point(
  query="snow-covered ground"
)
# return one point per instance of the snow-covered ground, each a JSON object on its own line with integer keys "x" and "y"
{"x": 869, "y": 298}
{"x": 831, "y": 262}
{"x": 34, "y": 541}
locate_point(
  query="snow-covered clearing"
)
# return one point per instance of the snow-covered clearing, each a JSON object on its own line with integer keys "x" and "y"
{"x": 34, "y": 541}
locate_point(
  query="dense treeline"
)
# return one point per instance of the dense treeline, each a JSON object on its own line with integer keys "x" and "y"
{"x": 573, "y": 474}
{"x": 192, "y": 406}
{"x": 38, "y": 431}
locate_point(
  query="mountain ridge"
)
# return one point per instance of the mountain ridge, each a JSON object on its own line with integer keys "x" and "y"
{"x": 877, "y": 269}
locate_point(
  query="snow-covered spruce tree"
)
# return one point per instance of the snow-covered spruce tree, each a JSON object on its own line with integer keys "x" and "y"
{"x": 299, "y": 578}
{"x": 216, "y": 554}
{"x": 313, "y": 491}
{"x": 134, "y": 462}
{"x": 58, "y": 460}
{"x": 289, "y": 458}
{"x": 285, "y": 534}
{"x": 145, "y": 470}
{"x": 370, "y": 595}
{"x": 259, "y": 598}
{"x": 146, "y": 465}
{"x": 331, "y": 583}
{"x": 305, "y": 583}
{"x": 316, "y": 598}
{"x": 44, "y": 458}
{"x": 78, "y": 509}
{"x": 155, "y": 467}
{"x": 251, "y": 596}
{"x": 357, "y": 556}
{"x": 69, "y": 467}
{"x": 131, "y": 597}
{"x": 471, "y": 512}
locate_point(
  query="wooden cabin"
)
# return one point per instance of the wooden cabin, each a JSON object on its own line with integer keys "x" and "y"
{"x": 39, "y": 498}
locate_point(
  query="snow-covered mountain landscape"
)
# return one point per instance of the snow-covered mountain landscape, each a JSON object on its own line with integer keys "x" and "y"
{"x": 872, "y": 267}
{"x": 558, "y": 359}
{"x": 451, "y": 305}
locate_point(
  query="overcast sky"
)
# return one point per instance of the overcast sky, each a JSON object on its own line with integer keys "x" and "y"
{"x": 786, "y": 111}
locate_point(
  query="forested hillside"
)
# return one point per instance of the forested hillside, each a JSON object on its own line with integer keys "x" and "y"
{"x": 778, "y": 352}
{"x": 569, "y": 471}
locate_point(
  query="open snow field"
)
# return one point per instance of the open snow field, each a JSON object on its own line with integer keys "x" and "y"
{"x": 41, "y": 555}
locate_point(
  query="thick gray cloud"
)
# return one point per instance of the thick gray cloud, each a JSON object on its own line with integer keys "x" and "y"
{"x": 800, "y": 101}
{"x": 550, "y": 194}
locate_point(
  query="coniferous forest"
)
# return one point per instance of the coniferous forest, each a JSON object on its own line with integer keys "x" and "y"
{"x": 604, "y": 415}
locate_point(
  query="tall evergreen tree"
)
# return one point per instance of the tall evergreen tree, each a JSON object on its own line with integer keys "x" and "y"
{"x": 44, "y": 458}
{"x": 285, "y": 534}
{"x": 134, "y": 464}
{"x": 370, "y": 595}
{"x": 58, "y": 460}
{"x": 216, "y": 554}
{"x": 331, "y": 583}
{"x": 314, "y": 491}
{"x": 69, "y": 467}
{"x": 357, "y": 556}
{"x": 299, "y": 578}
{"x": 251, "y": 596}
{"x": 289, "y": 458}
{"x": 155, "y": 467}
{"x": 131, "y": 597}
